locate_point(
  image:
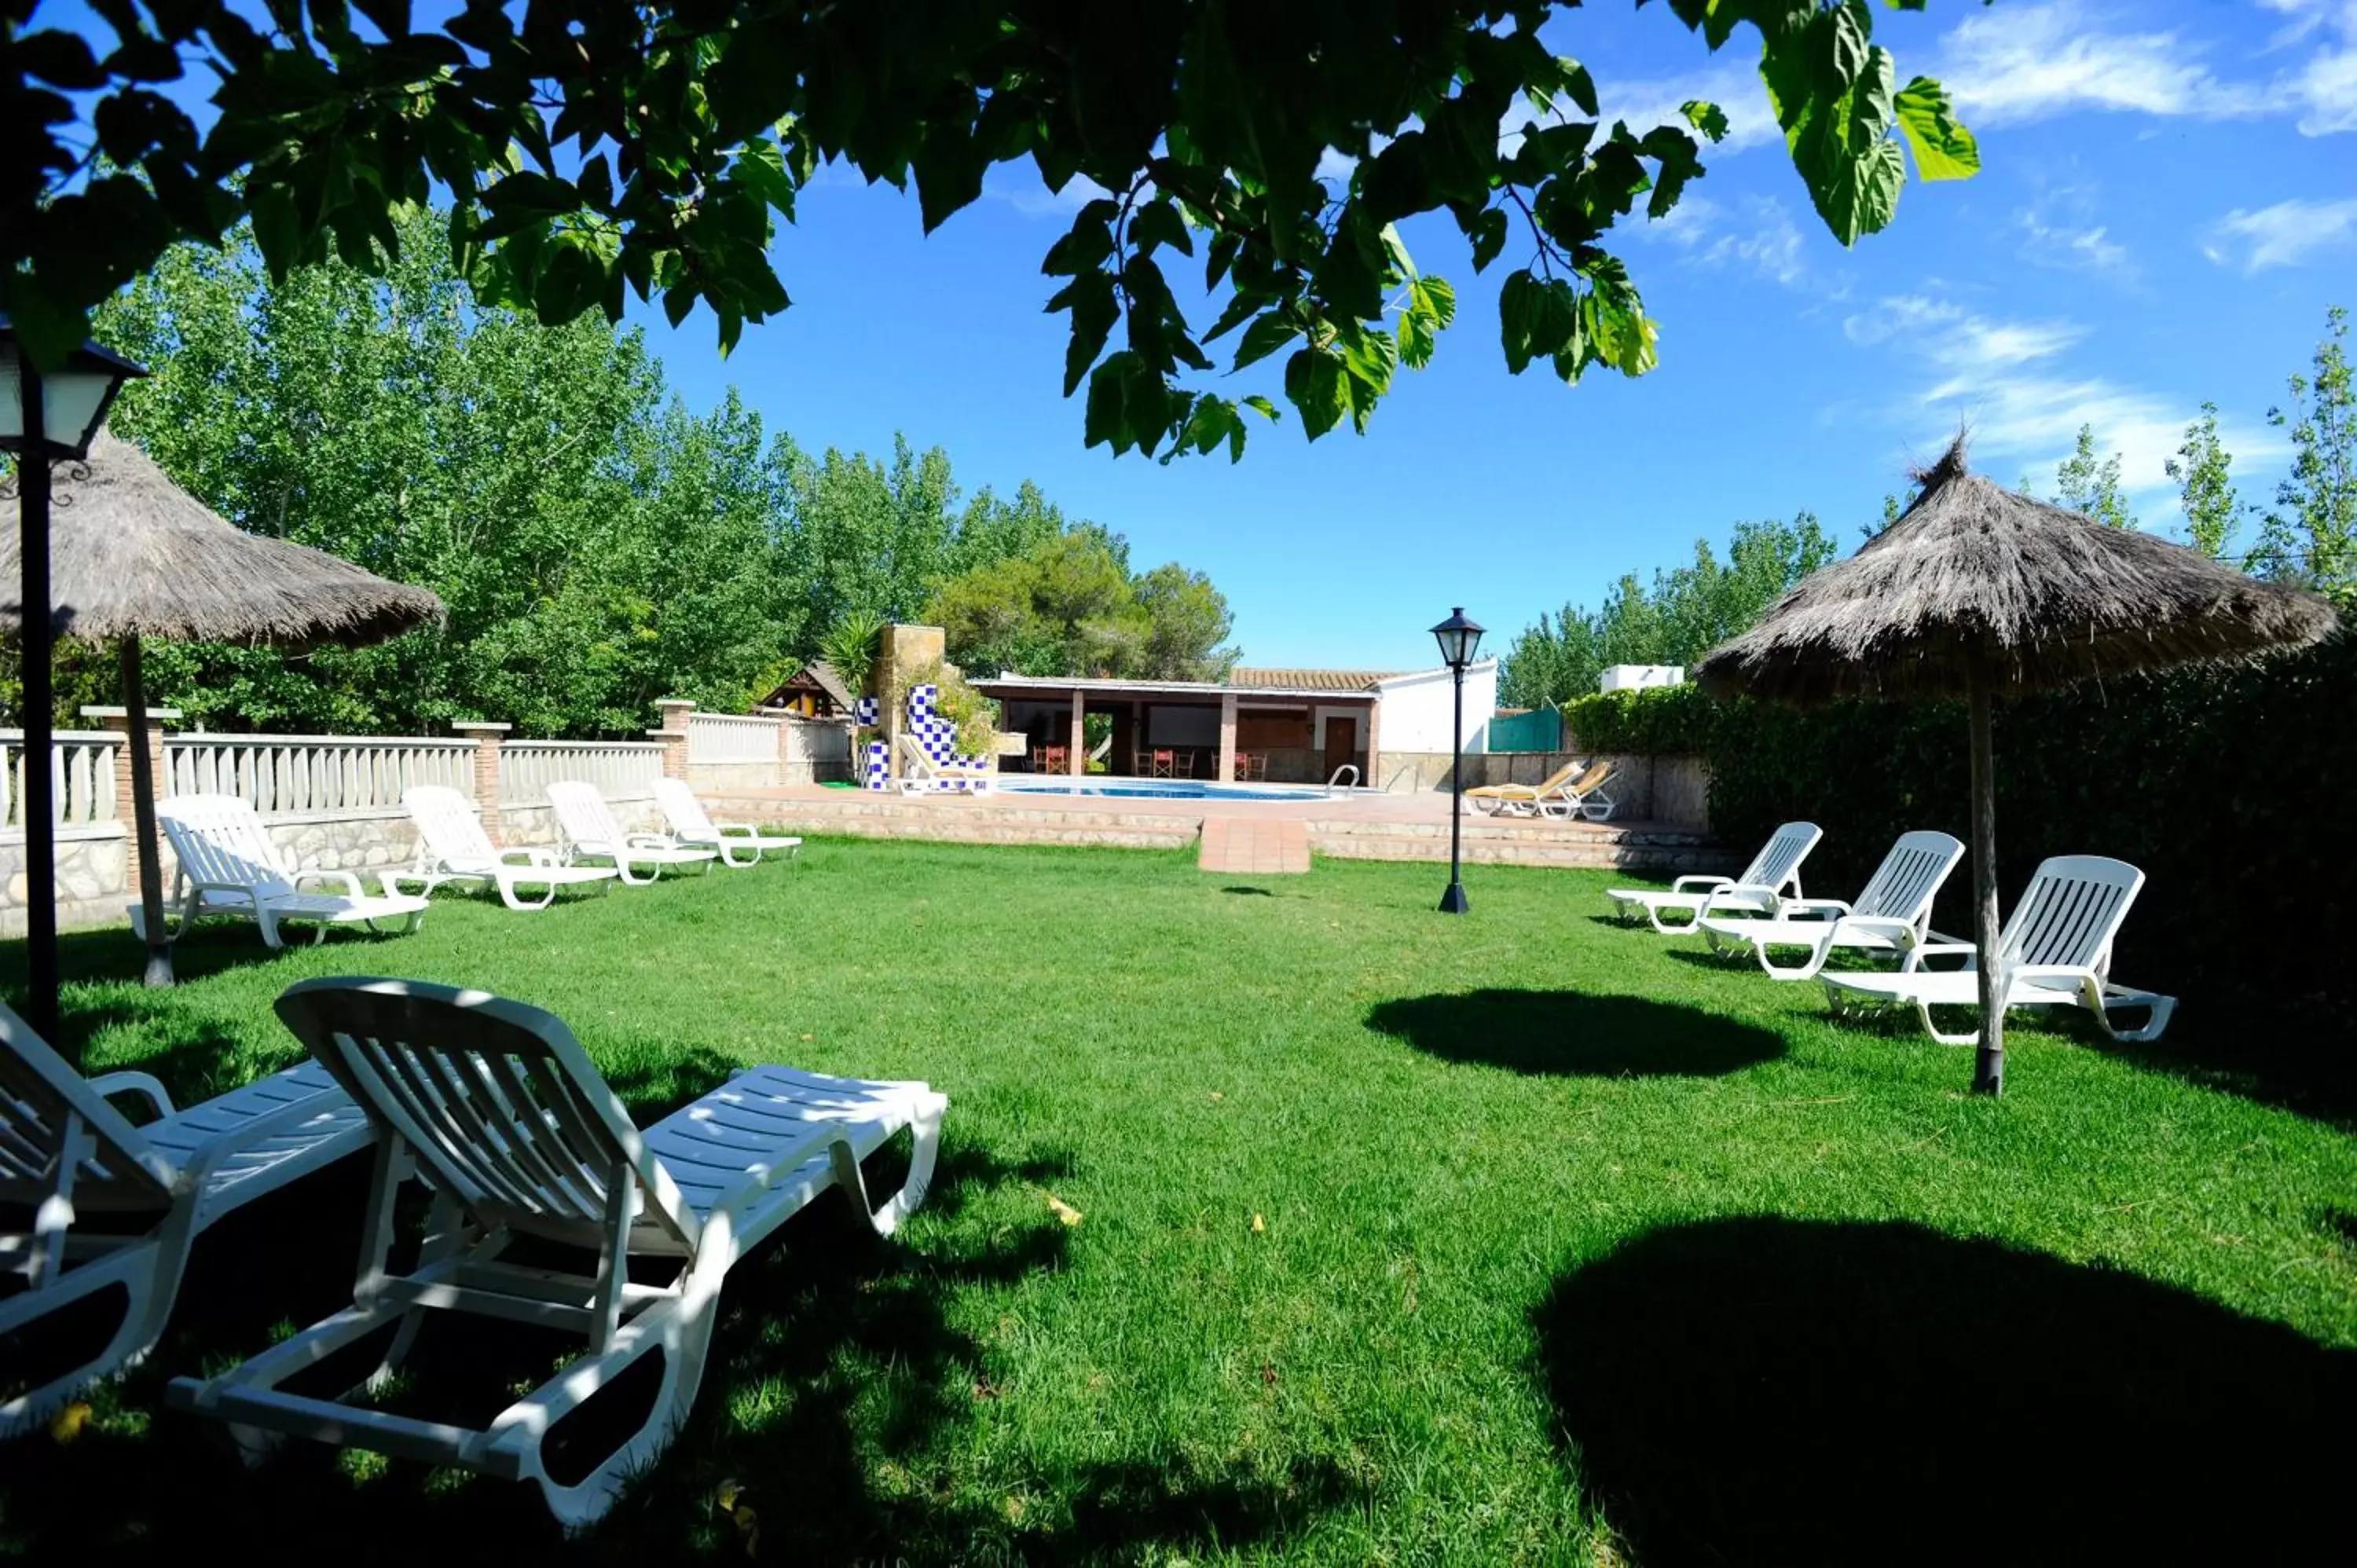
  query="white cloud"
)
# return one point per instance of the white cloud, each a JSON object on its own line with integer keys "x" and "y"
{"x": 1029, "y": 195}
{"x": 1761, "y": 238}
{"x": 2017, "y": 63}
{"x": 2285, "y": 235}
{"x": 2057, "y": 230}
{"x": 2012, "y": 383}
{"x": 1734, "y": 86}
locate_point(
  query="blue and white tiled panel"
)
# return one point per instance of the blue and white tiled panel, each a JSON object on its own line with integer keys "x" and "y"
{"x": 880, "y": 768}
{"x": 867, "y": 710}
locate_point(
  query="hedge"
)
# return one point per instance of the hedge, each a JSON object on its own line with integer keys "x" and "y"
{"x": 2230, "y": 787}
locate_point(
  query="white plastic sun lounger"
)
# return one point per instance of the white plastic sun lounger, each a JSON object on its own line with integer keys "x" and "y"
{"x": 2055, "y": 951}
{"x": 65, "y": 1154}
{"x": 738, "y": 844}
{"x": 497, "y": 1107}
{"x": 585, "y": 825}
{"x": 453, "y": 847}
{"x": 1772, "y": 879}
{"x": 228, "y": 866}
{"x": 1892, "y": 914}
{"x": 924, "y": 776}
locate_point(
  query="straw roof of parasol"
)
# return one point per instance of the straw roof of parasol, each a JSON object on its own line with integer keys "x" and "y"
{"x": 2036, "y": 597}
{"x": 132, "y": 554}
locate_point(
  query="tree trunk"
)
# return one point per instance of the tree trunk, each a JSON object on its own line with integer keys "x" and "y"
{"x": 143, "y": 815}
{"x": 1988, "y": 1065}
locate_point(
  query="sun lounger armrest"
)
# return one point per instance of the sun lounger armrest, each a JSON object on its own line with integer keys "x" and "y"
{"x": 647, "y": 841}
{"x": 1834, "y": 906}
{"x": 107, "y": 1085}
{"x": 2090, "y": 983}
{"x": 1915, "y": 955}
{"x": 1741, "y": 896}
{"x": 349, "y": 880}
{"x": 742, "y": 830}
{"x": 532, "y": 853}
{"x": 1694, "y": 884}
{"x": 1898, "y": 931}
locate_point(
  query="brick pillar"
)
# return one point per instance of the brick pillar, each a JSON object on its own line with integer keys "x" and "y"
{"x": 1227, "y": 737}
{"x": 785, "y": 751}
{"x": 673, "y": 734}
{"x": 1078, "y": 759}
{"x": 1374, "y": 778}
{"x": 118, "y": 720}
{"x": 486, "y": 736}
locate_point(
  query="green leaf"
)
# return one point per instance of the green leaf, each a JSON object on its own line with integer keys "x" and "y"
{"x": 1488, "y": 237}
{"x": 1396, "y": 252}
{"x": 1439, "y": 297}
{"x": 1536, "y": 316}
{"x": 1706, "y": 117}
{"x": 1580, "y": 85}
{"x": 1089, "y": 299}
{"x": 1372, "y": 355}
{"x": 1266, "y": 336}
{"x": 1313, "y": 384}
{"x": 1160, "y": 223}
{"x": 1943, "y": 148}
{"x": 1261, "y": 406}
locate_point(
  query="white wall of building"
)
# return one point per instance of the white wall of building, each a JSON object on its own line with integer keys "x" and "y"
{"x": 1640, "y": 677}
{"x": 1415, "y": 708}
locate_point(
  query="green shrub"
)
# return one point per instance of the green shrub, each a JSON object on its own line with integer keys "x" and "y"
{"x": 1653, "y": 722}
{"x": 2228, "y": 787}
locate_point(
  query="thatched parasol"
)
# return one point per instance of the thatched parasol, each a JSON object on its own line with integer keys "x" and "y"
{"x": 132, "y": 555}
{"x": 1978, "y": 591}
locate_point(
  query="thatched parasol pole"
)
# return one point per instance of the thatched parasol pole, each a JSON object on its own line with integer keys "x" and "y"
{"x": 1988, "y": 1064}
{"x": 143, "y": 814}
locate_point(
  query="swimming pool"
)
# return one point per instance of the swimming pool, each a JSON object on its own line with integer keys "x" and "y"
{"x": 1155, "y": 789}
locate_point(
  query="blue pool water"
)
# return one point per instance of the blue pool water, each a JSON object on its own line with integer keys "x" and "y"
{"x": 1154, "y": 789}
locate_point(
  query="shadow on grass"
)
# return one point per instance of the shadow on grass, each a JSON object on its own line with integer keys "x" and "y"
{"x": 841, "y": 1396}
{"x": 1250, "y": 892}
{"x": 1768, "y": 1390}
{"x": 1575, "y": 1034}
{"x": 2302, "y": 1059}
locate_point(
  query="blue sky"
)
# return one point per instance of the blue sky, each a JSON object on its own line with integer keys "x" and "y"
{"x": 2167, "y": 205}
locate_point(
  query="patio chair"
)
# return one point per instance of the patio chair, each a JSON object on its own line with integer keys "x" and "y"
{"x": 1049, "y": 759}
{"x": 1760, "y": 890}
{"x": 920, "y": 775}
{"x": 1582, "y": 797}
{"x": 1522, "y": 800}
{"x": 66, "y": 1156}
{"x": 453, "y": 847}
{"x": 495, "y": 1106}
{"x": 739, "y": 843}
{"x": 2055, "y": 951}
{"x": 1893, "y": 912}
{"x": 228, "y": 866}
{"x": 587, "y": 829}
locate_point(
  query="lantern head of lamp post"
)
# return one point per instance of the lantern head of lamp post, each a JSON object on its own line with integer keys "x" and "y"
{"x": 1459, "y": 640}
{"x": 75, "y": 397}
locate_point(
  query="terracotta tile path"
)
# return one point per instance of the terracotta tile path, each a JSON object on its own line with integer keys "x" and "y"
{"x": 1254, "y": 846}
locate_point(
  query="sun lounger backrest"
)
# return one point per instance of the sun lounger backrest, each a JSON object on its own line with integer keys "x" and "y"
{"x": 38, "y": 1091}
{"x": 582, "y": 818}
{"x": 495, "y": 1099}
{"x": 219, "y": 839}
{"x": 1781, "y": 855}
{"x": 1597, "y": 774}
{"x": 1909, "y": 878}
{"x": 683, "y": 810}
{"x": 2070, "y": 911}
{"x": 446, "y": 822}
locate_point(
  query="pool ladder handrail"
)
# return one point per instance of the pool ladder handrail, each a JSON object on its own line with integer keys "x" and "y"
{"x": 1349, "y": 768}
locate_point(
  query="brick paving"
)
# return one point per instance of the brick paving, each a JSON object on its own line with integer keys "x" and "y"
{"x": 1254, "y": 846}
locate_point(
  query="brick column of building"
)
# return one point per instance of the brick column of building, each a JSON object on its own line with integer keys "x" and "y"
{"x": 486, "y": 736}
{"x": 1227, "y": 737}
{"x": 1374, "y": 778}
{"x": 118, "y": 720}
{"x": 673, "y": 732}
{"x": 1078, "y": 758}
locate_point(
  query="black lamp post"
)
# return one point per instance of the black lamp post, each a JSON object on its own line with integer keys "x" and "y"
{"x": 1458, "y": 640}
{"x": 45, "y": 417}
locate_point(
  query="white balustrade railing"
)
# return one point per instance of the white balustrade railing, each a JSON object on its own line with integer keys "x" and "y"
{"x": 618, "y": 767}
{"x": 732, "y": 737}
{"x": 81, "y": 777}
{"x": 290, "y": 774}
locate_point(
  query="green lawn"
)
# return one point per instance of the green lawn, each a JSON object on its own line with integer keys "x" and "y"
{"x": 1521, "y": 1237}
